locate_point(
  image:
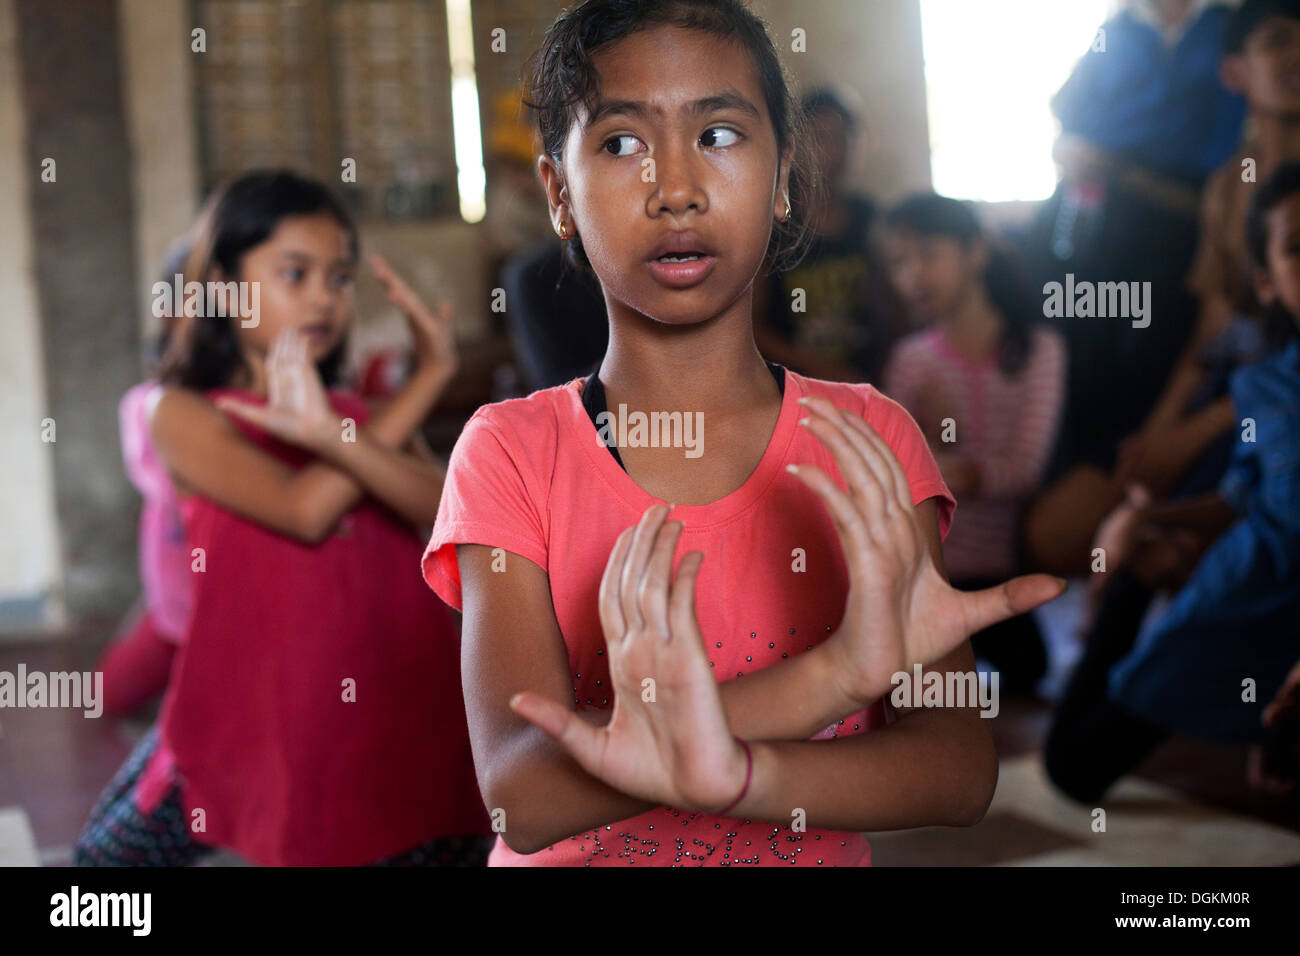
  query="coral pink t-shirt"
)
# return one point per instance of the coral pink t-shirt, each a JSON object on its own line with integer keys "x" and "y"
{"x": 532, "y": 476}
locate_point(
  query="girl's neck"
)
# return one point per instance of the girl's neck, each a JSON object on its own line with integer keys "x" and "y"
{"x": 974, "y": 327}
{"x": 709, "y": 366}
{"x": 251, "y": 374}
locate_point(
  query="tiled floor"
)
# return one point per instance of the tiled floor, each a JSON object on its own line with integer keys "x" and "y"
{"x": 1188, "y": 805}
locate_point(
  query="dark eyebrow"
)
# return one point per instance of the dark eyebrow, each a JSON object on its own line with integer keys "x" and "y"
{"x": 296, "y": 255}
{"x": 729, "y": 100}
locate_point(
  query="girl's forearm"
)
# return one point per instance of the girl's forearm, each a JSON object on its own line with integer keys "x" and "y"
{"x": 1196, "y": 433}
{"x": 930, "y": 768}
{"x": 326, "y": 492}
{"x": 393, "y": 425}
{"x": 1182, "y": 384}
{"x": 788, "y": 701}
{"x": 547, "y": 797}
{"x": 410, "y": 486}
{"x": 1188, "y": 372}
{"x": 791, "y": 700}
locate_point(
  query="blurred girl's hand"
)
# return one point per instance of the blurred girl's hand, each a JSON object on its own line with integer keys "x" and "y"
{"x": 900, "y": 609}
{"x": 1115, "y": 535}
{"x": 297, "y": 408}
{"x": 667, "y": 740}
{"x": 435, "y": 340}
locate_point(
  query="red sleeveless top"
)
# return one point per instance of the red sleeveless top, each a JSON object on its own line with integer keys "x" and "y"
{"x": 315, "y": 713}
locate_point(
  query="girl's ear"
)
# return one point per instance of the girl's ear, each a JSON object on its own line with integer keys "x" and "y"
{"x": 783, "y": 182}
{"x": 556, "y": 192}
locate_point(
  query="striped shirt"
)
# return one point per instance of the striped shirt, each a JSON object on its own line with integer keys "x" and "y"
{"x": 1006, "y": 426}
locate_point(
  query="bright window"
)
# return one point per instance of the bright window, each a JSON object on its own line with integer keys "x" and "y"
{"x": 990, "y": 70}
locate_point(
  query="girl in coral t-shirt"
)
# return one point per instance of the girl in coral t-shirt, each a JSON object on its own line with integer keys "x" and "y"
{"x": 621, "y": 713}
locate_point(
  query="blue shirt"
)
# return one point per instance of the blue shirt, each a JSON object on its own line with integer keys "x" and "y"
{"x": 1239, "y": 614}
{"x": 1163, "y": 108}
{"x": 1262, "y": 482}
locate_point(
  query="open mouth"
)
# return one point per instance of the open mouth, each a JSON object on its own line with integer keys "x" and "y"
{"x": 681, "y": 259}
{"x": 681, "y": 270}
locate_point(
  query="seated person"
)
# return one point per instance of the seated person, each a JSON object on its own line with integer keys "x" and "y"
{"x": 848, "y": 317}
{"x": 988, "y": 365}
{"x": 1231, "y": 559}
{"x": 1148, "y": 404}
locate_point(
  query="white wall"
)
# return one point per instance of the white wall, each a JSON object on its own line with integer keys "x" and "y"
{"x": 29, "y": 549}
{"x": 873, "y": 47}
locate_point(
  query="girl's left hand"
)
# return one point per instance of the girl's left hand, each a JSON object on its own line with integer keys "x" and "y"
{"x": 901, "y": 611}
{"x": 434, "y": 334}
{"x": 297, "y": 408}
{"x": 668, "y": 740}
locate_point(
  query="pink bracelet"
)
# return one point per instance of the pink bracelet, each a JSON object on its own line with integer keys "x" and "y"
{"x": 749, "y": 775}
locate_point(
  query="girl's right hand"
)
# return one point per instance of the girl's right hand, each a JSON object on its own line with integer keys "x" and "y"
{"x": 900, "y": 609}
{"x": 667, "y": 740}
{"x": 297, "y": 408}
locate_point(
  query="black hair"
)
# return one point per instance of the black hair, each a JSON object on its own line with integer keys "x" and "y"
{"x": 1244, "y": 20}
{"x": 1279, "y": 325}
{"x": 561, "y": 76}
{"x": 929, "y": 214}
{"x": 238, "y": 217}
{"x": 824, "y": 99}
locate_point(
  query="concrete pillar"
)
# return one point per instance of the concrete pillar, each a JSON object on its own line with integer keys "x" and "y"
{"x": 30, "y": 572}
{"x": 84, "y": 243}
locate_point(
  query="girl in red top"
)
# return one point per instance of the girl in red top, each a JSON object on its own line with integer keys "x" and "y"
{"x": 315, "y": 715}
{"x": 624, "y": 714}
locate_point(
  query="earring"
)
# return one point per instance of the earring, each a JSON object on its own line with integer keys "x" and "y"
{"x": 786, "y": 217}
{"x": 564, "y": 231}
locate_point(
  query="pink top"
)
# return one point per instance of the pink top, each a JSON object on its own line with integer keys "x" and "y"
{"x": 1006, "y": 426}
{"x": 531, "y": 476}
{"x": 164, "y": 556}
